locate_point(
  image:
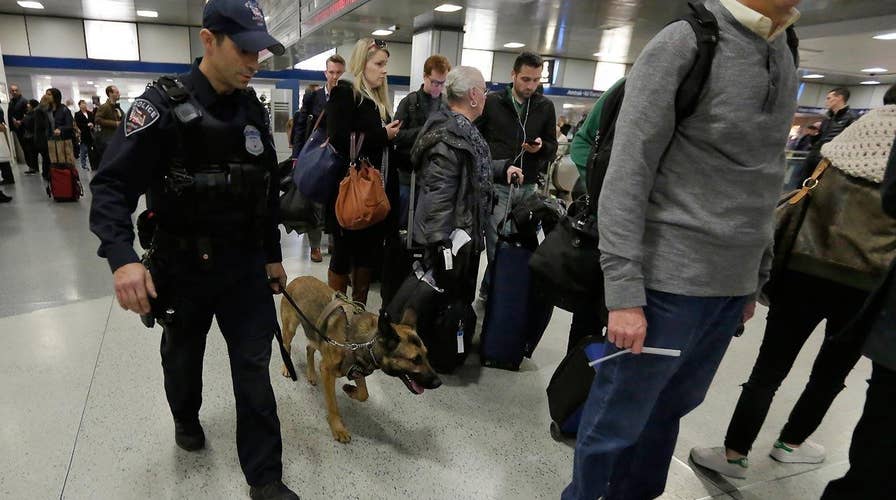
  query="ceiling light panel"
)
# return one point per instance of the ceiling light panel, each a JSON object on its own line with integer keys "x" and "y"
{"x": 885, "y": 36}
{"x": 514, "y": 45}
{"x": 871, "y": 82}
{"x": 382, "y": 33}
{"x": 30, "y": 5}
{"x": 874, "y": 70}
{"x": 813, "y": 76}
{"x": 448, "y": 7}
{"x": 147, "y": 13}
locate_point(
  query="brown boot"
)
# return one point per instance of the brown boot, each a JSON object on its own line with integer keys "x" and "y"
{"x": 316, "y": 256}
{"x": 361, "y": 277}
{"x": 338, "y": 282}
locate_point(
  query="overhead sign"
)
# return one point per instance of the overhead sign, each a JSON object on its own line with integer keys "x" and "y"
{"x": 318, "y": 15}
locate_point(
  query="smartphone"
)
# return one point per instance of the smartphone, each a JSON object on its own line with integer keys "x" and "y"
{"x": 531, "y": 142}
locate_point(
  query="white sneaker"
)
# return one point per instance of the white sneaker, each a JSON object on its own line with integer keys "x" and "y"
{"x": 806, "y": 453}
{"x": 714, "y": 459}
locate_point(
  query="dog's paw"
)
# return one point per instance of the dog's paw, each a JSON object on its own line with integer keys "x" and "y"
{"x": 350, "y": 389}
{"x": 311, "y": 378}
{"x": 284, "y": 371}
{"x": 342, "y": 435}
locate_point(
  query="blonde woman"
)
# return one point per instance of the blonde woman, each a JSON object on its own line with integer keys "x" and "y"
{"x": 361, "y": 107}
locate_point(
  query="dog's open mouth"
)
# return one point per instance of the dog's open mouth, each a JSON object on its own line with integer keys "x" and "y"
{"x": 411, "y": 384}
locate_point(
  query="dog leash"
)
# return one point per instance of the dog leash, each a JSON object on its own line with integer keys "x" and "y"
{"x": 347, "y": 346}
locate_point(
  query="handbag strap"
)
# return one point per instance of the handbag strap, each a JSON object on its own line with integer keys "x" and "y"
{"x": 356, "y": 140}
{"x": 810, "y": 183}
{"x": 317, "y": 122}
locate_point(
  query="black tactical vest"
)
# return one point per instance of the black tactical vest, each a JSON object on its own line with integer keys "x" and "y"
{"x": 218, "y": 175}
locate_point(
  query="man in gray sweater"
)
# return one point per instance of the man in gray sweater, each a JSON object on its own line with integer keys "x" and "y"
{"x": 686, "y": 232}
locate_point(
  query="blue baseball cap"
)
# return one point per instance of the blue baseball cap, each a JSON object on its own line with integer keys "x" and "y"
{"x": 243, "y": 22}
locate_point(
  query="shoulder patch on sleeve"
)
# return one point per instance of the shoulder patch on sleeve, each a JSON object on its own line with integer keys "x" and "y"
{"x": 141, "y": 115}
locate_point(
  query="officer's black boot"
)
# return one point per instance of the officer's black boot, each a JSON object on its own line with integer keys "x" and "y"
{"x": 189, "y": 435}
{"x": 274, "y": 490}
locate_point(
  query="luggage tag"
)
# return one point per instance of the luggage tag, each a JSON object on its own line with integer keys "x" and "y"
{"x": 540, "y": 234}
{"x": 460, "y": 337}
{"x": 449, "y": 260}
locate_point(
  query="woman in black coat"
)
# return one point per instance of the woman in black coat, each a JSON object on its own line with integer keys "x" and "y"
{"x": 84, "y": 120}
{"x": 43, "y": 122}
{"x": 360, "y": 107}
{"x": 457, "y": 183}
{"x": 872, "y": 453}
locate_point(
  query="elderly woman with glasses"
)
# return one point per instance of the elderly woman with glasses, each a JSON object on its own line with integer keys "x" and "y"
{"x": 457, "y": 183}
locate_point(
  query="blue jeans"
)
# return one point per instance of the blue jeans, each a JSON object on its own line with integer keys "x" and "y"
{"x": 630, "y": 422}
{"x": 82, "y": 155}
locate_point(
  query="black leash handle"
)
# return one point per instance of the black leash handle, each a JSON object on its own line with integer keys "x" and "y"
{"x": 287, "y": 359}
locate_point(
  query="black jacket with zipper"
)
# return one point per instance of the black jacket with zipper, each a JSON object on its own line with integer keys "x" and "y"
{"x": 450, "y": 194}
{"x": 502, "y": 128}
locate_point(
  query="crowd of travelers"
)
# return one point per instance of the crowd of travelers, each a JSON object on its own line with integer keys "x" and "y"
{"x": 683, "y": 261}
{"x": 36, "y": 126}
{"x": 675, "y": 251}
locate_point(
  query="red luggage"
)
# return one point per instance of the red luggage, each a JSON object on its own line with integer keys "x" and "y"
{"x": 65, "y": 184}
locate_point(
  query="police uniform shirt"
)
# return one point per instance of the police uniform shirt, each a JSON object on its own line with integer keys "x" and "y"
{"x": 138, "y": 157}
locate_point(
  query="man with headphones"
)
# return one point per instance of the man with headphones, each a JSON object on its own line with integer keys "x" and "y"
{"x": 519, "y": 125}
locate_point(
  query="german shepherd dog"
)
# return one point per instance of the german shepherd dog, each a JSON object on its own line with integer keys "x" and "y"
{"x": 395, "y": 349}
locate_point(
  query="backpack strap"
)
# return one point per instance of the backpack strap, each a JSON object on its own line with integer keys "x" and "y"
{"x": 598, "y": 160}
{"x": 706, "y": 28}
{"x": 793, "y": 43}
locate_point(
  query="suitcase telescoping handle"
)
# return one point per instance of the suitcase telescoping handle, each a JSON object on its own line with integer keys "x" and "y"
{"x": 411, "y": 209}
{"x": 514, "y": 185}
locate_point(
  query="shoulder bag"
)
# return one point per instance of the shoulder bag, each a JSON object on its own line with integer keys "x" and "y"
{"x": 362, "y": 200}
{"x": 318, "y": 167}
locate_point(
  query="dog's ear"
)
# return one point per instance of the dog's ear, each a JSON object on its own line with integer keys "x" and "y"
{"x": 388, "y": 335}
{"x": 409, "y": 317}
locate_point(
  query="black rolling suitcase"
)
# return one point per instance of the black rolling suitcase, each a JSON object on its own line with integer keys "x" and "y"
{"x": 515, "y": 319}
{"x": 569, "y": 386}
{"x": 400, "y": 253}
{"x": 445, "y": 324}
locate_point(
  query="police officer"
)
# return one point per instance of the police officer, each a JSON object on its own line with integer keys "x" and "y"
{"x": 199, "y": 146}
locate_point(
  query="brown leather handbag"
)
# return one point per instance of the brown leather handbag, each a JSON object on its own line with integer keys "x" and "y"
{"x": 362, "y": 200}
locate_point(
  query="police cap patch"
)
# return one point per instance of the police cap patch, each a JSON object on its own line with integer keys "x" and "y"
{"x": 141, "y": 115}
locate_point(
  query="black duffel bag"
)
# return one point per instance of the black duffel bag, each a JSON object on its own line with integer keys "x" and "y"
{"x": 566, "y": 266}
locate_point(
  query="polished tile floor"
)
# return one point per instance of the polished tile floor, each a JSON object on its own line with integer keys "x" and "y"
{"x": 83, "y": 413}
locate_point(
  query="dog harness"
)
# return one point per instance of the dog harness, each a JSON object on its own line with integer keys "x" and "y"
{"x": 354, "y": 364}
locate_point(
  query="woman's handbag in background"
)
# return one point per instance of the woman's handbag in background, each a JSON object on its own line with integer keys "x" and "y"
{"x": 789, "y": 217}
{"x": 362, "y": 200}
{"x": 297, "y": 213}
{"x": 61, "y": 151}
{"x": 319, "y": 167}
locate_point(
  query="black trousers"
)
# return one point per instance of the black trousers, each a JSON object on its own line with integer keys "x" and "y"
{"x": 800, "y": 303}
{"x": 6, "y": 171}
{"x": 584, "y": 323}
{"x": 872, "y": 453}
{"x": 235, "y": 291}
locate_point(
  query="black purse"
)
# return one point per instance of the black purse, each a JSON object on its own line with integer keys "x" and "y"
{"x": 566, "y": 268}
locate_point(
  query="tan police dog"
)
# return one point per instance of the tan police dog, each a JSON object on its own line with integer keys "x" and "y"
{"x": 391, "y": 347}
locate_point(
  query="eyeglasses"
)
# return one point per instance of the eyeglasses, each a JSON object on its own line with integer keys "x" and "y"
{"x": 436, "y": 83}
{"x": 381, "y": 44}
